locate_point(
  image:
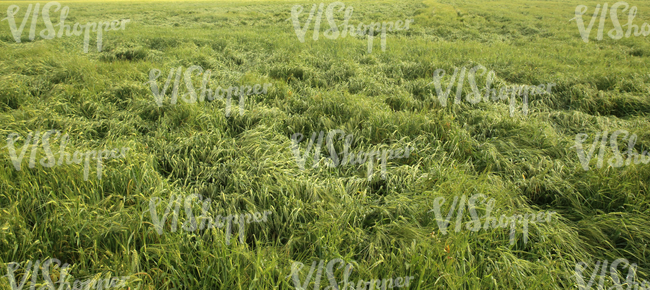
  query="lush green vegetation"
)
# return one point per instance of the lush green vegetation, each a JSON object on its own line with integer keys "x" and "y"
{"x": 384, "y": 98}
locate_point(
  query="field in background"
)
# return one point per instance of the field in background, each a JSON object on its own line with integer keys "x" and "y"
{"x": 245, "y": 164}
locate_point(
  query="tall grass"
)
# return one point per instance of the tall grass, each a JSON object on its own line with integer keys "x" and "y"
{"x": 245, "y": 164}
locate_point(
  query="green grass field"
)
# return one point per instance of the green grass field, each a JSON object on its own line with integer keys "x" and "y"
{"x": 385, "y": 99}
